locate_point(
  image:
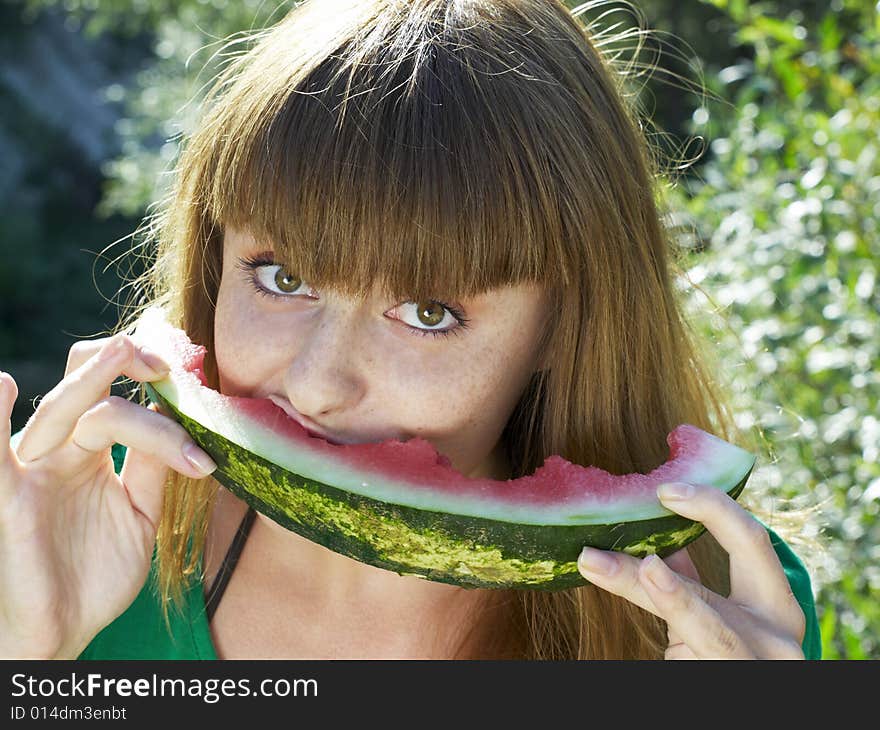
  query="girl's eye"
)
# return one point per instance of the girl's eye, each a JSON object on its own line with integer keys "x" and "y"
{"x": 270, "y": 279}
{"x": 278, "y": 285}
{"x": 433, "y": 313}
{"x": 267, "y": 278}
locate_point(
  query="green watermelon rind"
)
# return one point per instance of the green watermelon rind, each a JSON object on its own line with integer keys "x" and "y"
{"x": 461, "y": 550}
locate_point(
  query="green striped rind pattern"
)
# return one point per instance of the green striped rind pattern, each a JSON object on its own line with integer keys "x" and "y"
{"x": 457, "y": 549}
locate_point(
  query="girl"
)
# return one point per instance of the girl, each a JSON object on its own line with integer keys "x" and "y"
{"x": 397, "y": 218}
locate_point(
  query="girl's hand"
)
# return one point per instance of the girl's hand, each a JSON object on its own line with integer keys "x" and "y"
{"x": 761, "y": 619}
{"x": 76, "y": 539}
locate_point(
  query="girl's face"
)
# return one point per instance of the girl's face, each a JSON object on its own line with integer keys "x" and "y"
{"x": 364, "y": 371}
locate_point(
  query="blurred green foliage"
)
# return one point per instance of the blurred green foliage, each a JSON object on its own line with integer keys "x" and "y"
{"x": 783, "y": 222}
{"x": 779, "y": 216}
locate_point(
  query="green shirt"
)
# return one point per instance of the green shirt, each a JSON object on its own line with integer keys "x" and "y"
{"x": 140, "y": 631}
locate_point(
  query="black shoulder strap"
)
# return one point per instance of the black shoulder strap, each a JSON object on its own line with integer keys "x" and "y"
{"x": 215, "y": 593}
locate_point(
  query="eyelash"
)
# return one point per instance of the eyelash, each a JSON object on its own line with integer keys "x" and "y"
{"x": 251, "y": 264}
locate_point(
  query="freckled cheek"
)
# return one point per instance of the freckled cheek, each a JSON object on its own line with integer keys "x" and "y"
{"x": 434, "y": 399}
{"x": 231, "y": 362}
{"x": 241, "y": 352}
{"x": 414, "y": 377}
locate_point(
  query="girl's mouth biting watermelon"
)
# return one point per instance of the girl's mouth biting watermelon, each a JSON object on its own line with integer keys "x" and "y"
{"x": 303, "y": 421}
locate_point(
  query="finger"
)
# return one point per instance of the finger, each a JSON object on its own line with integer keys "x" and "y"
{"x": 757, "y": 578}
{"x": 8, "y": 396}
{"x": 616, "y": 573}
{"x": 684, "y": 609}
{"x": 678, "y": 650}
{"x": 680, "y": 561}
{"x": 116, "y": 420}
{"x": 671, "y": 636}
{"x": 82, "y": 351}
{"x": 8, "y": 459}
{"x": 57, "y": 415}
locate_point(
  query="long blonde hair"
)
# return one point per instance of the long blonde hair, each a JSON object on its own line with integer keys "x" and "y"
{"x": 445, "y": 147}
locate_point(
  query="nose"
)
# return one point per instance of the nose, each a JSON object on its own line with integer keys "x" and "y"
{"x": 324, "y": 374}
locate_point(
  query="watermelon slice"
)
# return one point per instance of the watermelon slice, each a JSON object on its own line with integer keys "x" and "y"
{"x": 400, "y": 505}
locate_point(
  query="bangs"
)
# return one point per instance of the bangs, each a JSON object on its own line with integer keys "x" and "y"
{"x": 409, "y": 160}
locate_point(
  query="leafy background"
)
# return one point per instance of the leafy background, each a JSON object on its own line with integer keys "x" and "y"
{"x": 766, "y": 115}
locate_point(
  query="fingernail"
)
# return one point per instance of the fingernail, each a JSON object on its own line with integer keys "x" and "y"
{"x": 675, "y": 490}
{"x": 199, "y": 459}
{"x": 659, "y": 574}
{"x": 597, "y": 561}
{"x": 152, "y": 360}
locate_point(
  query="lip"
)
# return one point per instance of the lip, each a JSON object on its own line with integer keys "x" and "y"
{"x": 308, "y": 425}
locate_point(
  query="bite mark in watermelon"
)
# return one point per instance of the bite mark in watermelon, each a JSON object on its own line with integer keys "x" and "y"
{"x": 401, "y": 506}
